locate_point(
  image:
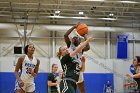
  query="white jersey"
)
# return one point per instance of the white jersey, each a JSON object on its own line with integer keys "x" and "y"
{"x": 78, "y": 56}
{"x": 27, "y": 63}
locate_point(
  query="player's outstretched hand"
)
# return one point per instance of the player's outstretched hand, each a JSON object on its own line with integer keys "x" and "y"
{"x": 21, "y": 83}
{"x": 129, "y": 75}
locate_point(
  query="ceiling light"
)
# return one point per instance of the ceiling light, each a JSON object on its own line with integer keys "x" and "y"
{"x": 108, "y": 19}
{"x": 57, "y": 12}
{"x": 93, "y": 0}
{"x": 81, "y": 13}
{"x": 111, "y": 14}
{"x": 128, "y": 1}
{"x": 22, "y": 31}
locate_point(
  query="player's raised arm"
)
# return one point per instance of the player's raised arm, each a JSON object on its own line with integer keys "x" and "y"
{"x": 66, "y": 35}
{"x": 80, "y": 47}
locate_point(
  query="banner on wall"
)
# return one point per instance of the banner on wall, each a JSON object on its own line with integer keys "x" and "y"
{"x": 122, "y": 46}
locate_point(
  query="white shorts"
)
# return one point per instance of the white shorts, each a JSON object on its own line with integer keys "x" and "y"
{"x": 28, "y": 86}
{"x": 81, "y": 77}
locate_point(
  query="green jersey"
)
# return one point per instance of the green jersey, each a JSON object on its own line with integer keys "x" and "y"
{"x": 71, "y": 69}
{"x": 52, "y": 77}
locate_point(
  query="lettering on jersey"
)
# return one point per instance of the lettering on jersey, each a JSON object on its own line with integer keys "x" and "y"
{"x": 28, "y": 71}
{"x": 29, "y": 65}
{"x": 77, "y": 70}
{"x": 77, "y": 67}
{"x": 65, "y": 69}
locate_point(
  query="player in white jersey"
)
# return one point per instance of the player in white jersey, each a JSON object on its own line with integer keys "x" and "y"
{"x": 72, "y": 44}
{"x": 29, "y": 66}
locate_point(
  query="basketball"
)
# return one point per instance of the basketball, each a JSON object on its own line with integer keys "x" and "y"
{"x": 82, "y": 29}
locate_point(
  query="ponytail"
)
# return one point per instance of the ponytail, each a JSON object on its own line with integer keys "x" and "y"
{"x": 59, "y": 53}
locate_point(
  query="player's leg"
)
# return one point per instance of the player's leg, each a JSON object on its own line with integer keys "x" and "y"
{"x": 81, "y": 86}
{"x": 81, "y": 83}
{"x": 18, "y": 89}
{"x": 31, "y": 92}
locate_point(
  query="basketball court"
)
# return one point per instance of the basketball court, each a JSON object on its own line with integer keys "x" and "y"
{"x": 114, "y": 24}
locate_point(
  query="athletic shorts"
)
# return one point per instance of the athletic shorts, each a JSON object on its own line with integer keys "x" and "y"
{"x": 28, "y": 86}
{"x": 67, "y": 86}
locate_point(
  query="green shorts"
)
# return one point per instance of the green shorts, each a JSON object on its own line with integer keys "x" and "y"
{"x": 67, "y": 86}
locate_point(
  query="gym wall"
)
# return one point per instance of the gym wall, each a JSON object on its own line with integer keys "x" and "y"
{"x": 99, "y": 68}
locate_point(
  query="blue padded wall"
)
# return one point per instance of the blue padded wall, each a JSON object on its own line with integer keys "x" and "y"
{"x": 94, "y": 82}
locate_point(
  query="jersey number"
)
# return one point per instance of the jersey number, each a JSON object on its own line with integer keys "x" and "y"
{"x": 27, "y": 71}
